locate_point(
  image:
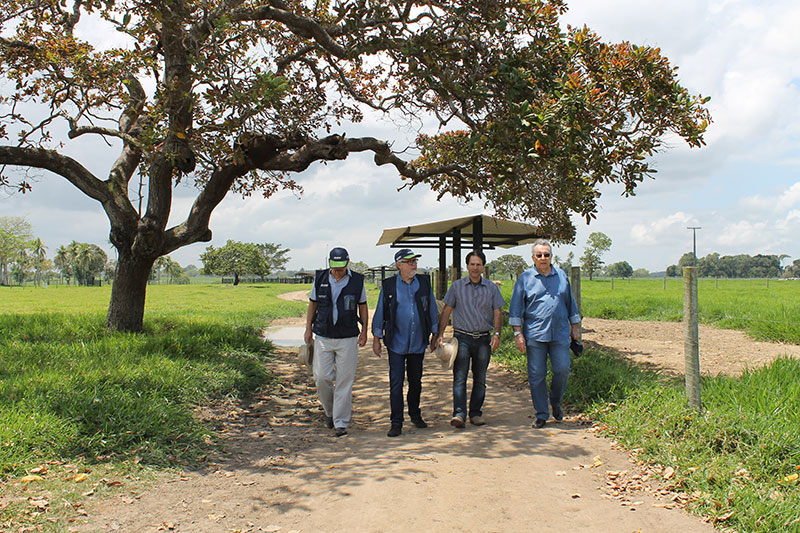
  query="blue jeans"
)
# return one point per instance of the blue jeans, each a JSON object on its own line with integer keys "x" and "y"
{"x": 399, "y": 364}
{"x": 537, "y": 353}
{"x": 478, "y": 351}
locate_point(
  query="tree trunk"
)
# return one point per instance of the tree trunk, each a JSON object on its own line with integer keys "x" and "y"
{"x": 126, "y": 310}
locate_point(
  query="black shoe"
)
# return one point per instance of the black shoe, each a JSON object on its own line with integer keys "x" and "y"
{"x": 419, "y": 423}
{"x": 395, "y": 431}
{"x": 340, "y": 432}
{"x": 539, "y": 423}
{"x": 329, "y": 422}
{"x": 558, "y": 414}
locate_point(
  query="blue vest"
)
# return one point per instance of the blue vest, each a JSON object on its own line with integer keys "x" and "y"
{"x": 347, "y": 304}
{"x": 422, "y": 298}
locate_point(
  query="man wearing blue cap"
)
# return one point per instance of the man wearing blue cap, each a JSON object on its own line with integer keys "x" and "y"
{"x": 405, "y": 318}
{"x": 337, "y": 304}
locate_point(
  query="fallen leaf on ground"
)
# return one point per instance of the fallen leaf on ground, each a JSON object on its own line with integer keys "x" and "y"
{"x": 575, "y": 496}
{"x": 669, "y": 472}
{"x": 79, "y": 477}
{"x": 29, "y": 478}
{"x": 39, "y": 470}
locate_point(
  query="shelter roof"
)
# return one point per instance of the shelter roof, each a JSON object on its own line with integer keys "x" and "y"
{"x": 497, "y": 232}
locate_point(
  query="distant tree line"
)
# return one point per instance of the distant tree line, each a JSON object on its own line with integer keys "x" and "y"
{"x": 737, "y": 266}
{"x": 23, "y": 258}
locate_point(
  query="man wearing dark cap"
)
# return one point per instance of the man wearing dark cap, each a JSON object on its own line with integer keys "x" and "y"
{"x": 405, "y": 318}
{"x": 337, "y": 304}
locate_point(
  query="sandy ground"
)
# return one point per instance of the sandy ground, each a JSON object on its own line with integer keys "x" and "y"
{"x": 285, "y": 472}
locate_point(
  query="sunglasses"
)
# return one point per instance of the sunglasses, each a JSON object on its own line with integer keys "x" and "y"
{"x": 409, "y": 261}
{"x": 543, "y": 255}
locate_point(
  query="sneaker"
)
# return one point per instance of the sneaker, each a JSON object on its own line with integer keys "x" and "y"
{"x": 419, "y": 423}
{"x": 457, "y": 422}
{"x": 395, "y": 431}
{"x": 539, "y": 423}
{"x": 558, "y": 414}
{"x": 477, "y": 420}
{"x": 340, "y": 432}
{"x": 329, "y": 422}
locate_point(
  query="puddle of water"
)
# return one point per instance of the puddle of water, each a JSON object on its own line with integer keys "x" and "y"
{"x": 286, "y": 335}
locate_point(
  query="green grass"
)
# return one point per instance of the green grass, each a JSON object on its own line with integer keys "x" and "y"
{"x": 73, "y": 392}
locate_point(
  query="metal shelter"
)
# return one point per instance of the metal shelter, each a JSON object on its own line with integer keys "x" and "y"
{"x": 477, "y": 232}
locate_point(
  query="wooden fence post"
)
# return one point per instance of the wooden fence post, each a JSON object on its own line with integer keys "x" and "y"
{"x": 691, "y": 334}
{"x": 575, "y": 282}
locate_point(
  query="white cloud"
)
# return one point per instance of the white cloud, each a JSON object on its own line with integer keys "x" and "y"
{"x": 657, "y": 232}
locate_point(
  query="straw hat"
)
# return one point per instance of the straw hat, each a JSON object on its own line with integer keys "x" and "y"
{"x": 305, "y": 355}
{"x": 447, "y": 351}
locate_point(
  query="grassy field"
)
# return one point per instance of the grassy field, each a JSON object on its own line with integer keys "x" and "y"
{"x": 77, "y": 401}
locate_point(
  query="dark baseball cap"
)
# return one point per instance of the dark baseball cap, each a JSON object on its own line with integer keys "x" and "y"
{"x": 338, "y": 258}
{"x": 405, "y": 253}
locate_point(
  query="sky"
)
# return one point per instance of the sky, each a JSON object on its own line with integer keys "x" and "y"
{"x": 742, "y": 189}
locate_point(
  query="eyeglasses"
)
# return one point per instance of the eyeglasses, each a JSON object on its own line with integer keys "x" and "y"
{"x": 543, "y": 255}
{"x": 409, "y": 261}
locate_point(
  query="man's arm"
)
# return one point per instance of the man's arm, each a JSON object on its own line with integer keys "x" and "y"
{"x": 363, "y": 316}
{"x": 312, "y": 310}
{"x": 498, "y": 325}
{"x": 443, "y": 319}
{"x": 377, "y": 326}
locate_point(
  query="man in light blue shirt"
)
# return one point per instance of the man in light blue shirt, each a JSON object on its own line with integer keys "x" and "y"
{"x": 544, "y": 316}
{"x": 405, "y": 318}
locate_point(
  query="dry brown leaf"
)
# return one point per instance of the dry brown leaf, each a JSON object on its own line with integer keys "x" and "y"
{"x": 79, "y": 477}
{"x": 29, "y": 478}
{"x": 575, "y": 496}
{"x": 668, "y": 472}
{"x": 39, "y": 470}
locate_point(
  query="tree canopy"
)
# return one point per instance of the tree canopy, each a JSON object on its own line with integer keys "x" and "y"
{"x": 620, "y": 269}
{"x": 239, "y": 259}
{"x": 508, "y": 265}
{"x": 732, "y": 266}
{"x": 235, "y": 95}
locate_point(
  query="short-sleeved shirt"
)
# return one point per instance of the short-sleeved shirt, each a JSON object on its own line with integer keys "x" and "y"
{"x": 336, "y": 289}
{"x": 473, "y": 304}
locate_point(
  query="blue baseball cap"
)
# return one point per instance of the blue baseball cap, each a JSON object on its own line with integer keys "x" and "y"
{"x": 338, "y": 258}
{"x": 405, "y": 253}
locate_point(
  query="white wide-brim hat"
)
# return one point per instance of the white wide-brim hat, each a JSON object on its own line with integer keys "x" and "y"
{"x": 447, "y": 351}
{"x": 305, "y": 354}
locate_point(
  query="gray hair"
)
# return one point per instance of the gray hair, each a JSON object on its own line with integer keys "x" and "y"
{"x": 541, "y": 242}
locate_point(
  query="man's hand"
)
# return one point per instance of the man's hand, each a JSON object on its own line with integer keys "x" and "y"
{"x": 519, "y": 342}
{"x": 495, "y": 344}
{"x": 362, "y": 337}
{"x": 575, "y": 331}
{"x": 308, "y": 336}
{"x": 376, "y": 346}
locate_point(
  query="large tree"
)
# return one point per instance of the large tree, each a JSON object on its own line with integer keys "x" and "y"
{"x": 597, "y": 244}
{"x": 236, "y": 95}
{"x": 510, "y": 265}
{"x": 15, "y": 233}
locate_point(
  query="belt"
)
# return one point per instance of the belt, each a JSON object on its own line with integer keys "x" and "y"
{"x": 473, "y": 334}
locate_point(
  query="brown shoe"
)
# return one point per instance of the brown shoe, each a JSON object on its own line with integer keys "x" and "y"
{"x": 457, "y": 422}
{"x": 477, "y": 420}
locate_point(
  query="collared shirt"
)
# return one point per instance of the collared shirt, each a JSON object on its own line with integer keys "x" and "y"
{"x": 543, "y": 305}
{"x": 336, "y": 290}
{"x": 408, "y": 332}
{"x": 473, "y": 304}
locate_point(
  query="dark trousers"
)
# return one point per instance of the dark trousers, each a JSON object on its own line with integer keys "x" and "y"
{"x": 399, "y": 365}
{"x": 476, "y": 351}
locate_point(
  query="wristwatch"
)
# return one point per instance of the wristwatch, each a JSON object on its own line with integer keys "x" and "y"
{"x": 496, "y": 333}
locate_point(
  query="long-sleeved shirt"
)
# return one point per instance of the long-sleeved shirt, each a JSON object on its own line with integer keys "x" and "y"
{"x": 543, "y": 306}
{"x": 408, "y": 335}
